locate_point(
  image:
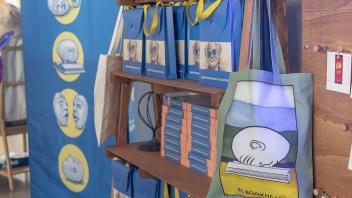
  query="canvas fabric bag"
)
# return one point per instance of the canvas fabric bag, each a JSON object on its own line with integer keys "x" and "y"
{"x": 220, "y": 40}
{"x": 193, "y": 55}
{"x": 264, "y": 144}
{"x": 134, "y": 41}
{"x": 106, "y": 91}
{"x": 160, "y": 42}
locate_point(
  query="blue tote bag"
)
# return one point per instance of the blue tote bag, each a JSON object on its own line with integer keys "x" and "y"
{"x": 265, "y": 128}
{"x": 181, "y": 39}
{"x": 220, "y": 40}
{"x": 160, "y": 42}
{"x": 193, "y": 50}
{"x": 134, "y": 41}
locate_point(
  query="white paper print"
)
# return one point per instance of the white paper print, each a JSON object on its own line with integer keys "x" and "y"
{"x": 60, "y": 109}
{"x": 215, "y": 56}
{"x": 155, "y": 52}
{"x": 338, "y": 73}
{"x": 193, "y": 53}
{"x": 73, "y": 169}
{"x": 132, "y": 50}
{"x": 180, "y": 52}
{"x": 68, "y": 52}
{"x": 80, "y": 111}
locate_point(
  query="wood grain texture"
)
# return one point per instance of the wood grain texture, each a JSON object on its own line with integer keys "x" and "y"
{"x": 326, "y": 23}
{"x": 151, "y": 162}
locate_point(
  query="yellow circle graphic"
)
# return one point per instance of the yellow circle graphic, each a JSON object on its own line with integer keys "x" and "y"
{"x": 71, "y": 38}
{"x": 73, "y": 168}
{"x": 76, "y": 107}
{"x": 71, "y": 14}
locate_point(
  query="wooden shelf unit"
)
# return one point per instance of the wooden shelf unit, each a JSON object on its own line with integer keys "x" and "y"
{"x": 172, "y": 173}
{"x": 152, "y": 163}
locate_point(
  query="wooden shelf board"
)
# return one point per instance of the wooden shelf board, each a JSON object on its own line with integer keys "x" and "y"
{"x": 175, "y": 174}
{"x": 15, "y": 171}
{"x": 179, "y": 84}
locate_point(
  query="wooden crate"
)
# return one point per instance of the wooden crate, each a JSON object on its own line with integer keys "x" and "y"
{"x": 327, "y": 23}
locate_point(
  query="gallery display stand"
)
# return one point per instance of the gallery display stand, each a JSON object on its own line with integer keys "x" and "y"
{"x": 152, "y": 163}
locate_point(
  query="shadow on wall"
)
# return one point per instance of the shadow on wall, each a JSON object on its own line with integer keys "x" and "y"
{"x": 294, "y": 17}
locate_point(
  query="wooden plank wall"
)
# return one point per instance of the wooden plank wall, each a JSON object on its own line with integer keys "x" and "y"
{"x": 328, "y": 23}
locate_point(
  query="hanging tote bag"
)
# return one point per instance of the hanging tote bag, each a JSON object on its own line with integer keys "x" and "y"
{"x": 220, "y": 40}
{"x": 265, "y": 131}
{"x": 181, "y": 39}
{"x": 160, "y": 42}
{"x": 105, "y": 91}
{"x": 134, "y": 41}
{"x": 193, "y": 55}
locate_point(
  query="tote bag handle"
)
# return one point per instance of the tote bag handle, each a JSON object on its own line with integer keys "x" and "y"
{"x": 277, "y": 60}
{"x": 207, "y": 12}
{"x": 116, "y": 40}
{"x": 189, "y": 19}
{"x": 155, "y": 21}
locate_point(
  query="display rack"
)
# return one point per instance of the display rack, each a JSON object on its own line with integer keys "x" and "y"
{"x": 153, "y": 164}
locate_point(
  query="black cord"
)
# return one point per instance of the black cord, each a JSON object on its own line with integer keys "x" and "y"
{"x": 148, "y": 120}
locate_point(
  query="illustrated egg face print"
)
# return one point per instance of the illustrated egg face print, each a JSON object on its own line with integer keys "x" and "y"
{"x": 258, "y": 146}
{"x": 73, "y": 169}
{"x": 60, "y": 109}
{"x": 68, "y": 51}
{"x": 80, "y": 111}
{"x": 58, "y": 7}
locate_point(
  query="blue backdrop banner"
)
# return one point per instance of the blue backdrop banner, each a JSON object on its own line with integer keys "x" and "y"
{"x": 62, "y": 43}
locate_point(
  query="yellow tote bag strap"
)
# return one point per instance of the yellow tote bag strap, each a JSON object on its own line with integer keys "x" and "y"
{"x": 166, "y": 190}
{"x": 188, "y": 5}
{"x": 154, "y": 22}
{"x": 204, "y": 15}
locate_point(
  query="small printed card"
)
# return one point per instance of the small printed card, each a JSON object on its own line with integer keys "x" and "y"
{"x": 338, "y": 72}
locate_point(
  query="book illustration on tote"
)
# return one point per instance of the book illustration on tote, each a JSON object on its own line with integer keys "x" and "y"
{"x": 193, "y": 47}
{"x": 68, "y": 52}
{"x": 181, "y": 39}
{"x": 260, "y": 141}
{"x": 133, "y": 45}
{"x": 160, "y": 42}
{"x": 220, "y": 40}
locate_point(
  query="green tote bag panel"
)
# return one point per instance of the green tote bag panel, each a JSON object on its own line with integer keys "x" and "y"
{"x": 265, "y": 128}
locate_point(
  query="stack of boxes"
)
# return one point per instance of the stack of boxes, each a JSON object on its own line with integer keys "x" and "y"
{"x": 189, "y": 132}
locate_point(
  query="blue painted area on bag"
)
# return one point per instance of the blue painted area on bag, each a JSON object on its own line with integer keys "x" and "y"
{"x": 222, "y": 32}
{"x": 180, "y": 35}
{"x": 173, "y": 193}
{"x": 122, "y": 177}
{"x": 145, "y": 188}
{"x": 193, "y": 34}
{"x": 165, "y": 33}
{"x": 214, "y": 78}
{"x": 242, "y": 114}
{"x": 133, "y": 30}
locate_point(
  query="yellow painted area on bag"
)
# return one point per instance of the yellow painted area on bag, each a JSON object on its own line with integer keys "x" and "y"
{"x": 56, "y": 57}
{"x": 245, "y": 186}
{"x": 191, "y": 22}
{"x": 166, "y": 190}
{"x": 155, "y": 20}
{"x": 74, "y": 151}
{"x": 70, "y": 16}
{"x": 207, "y": 12}
{"x": 70, "y": 130}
